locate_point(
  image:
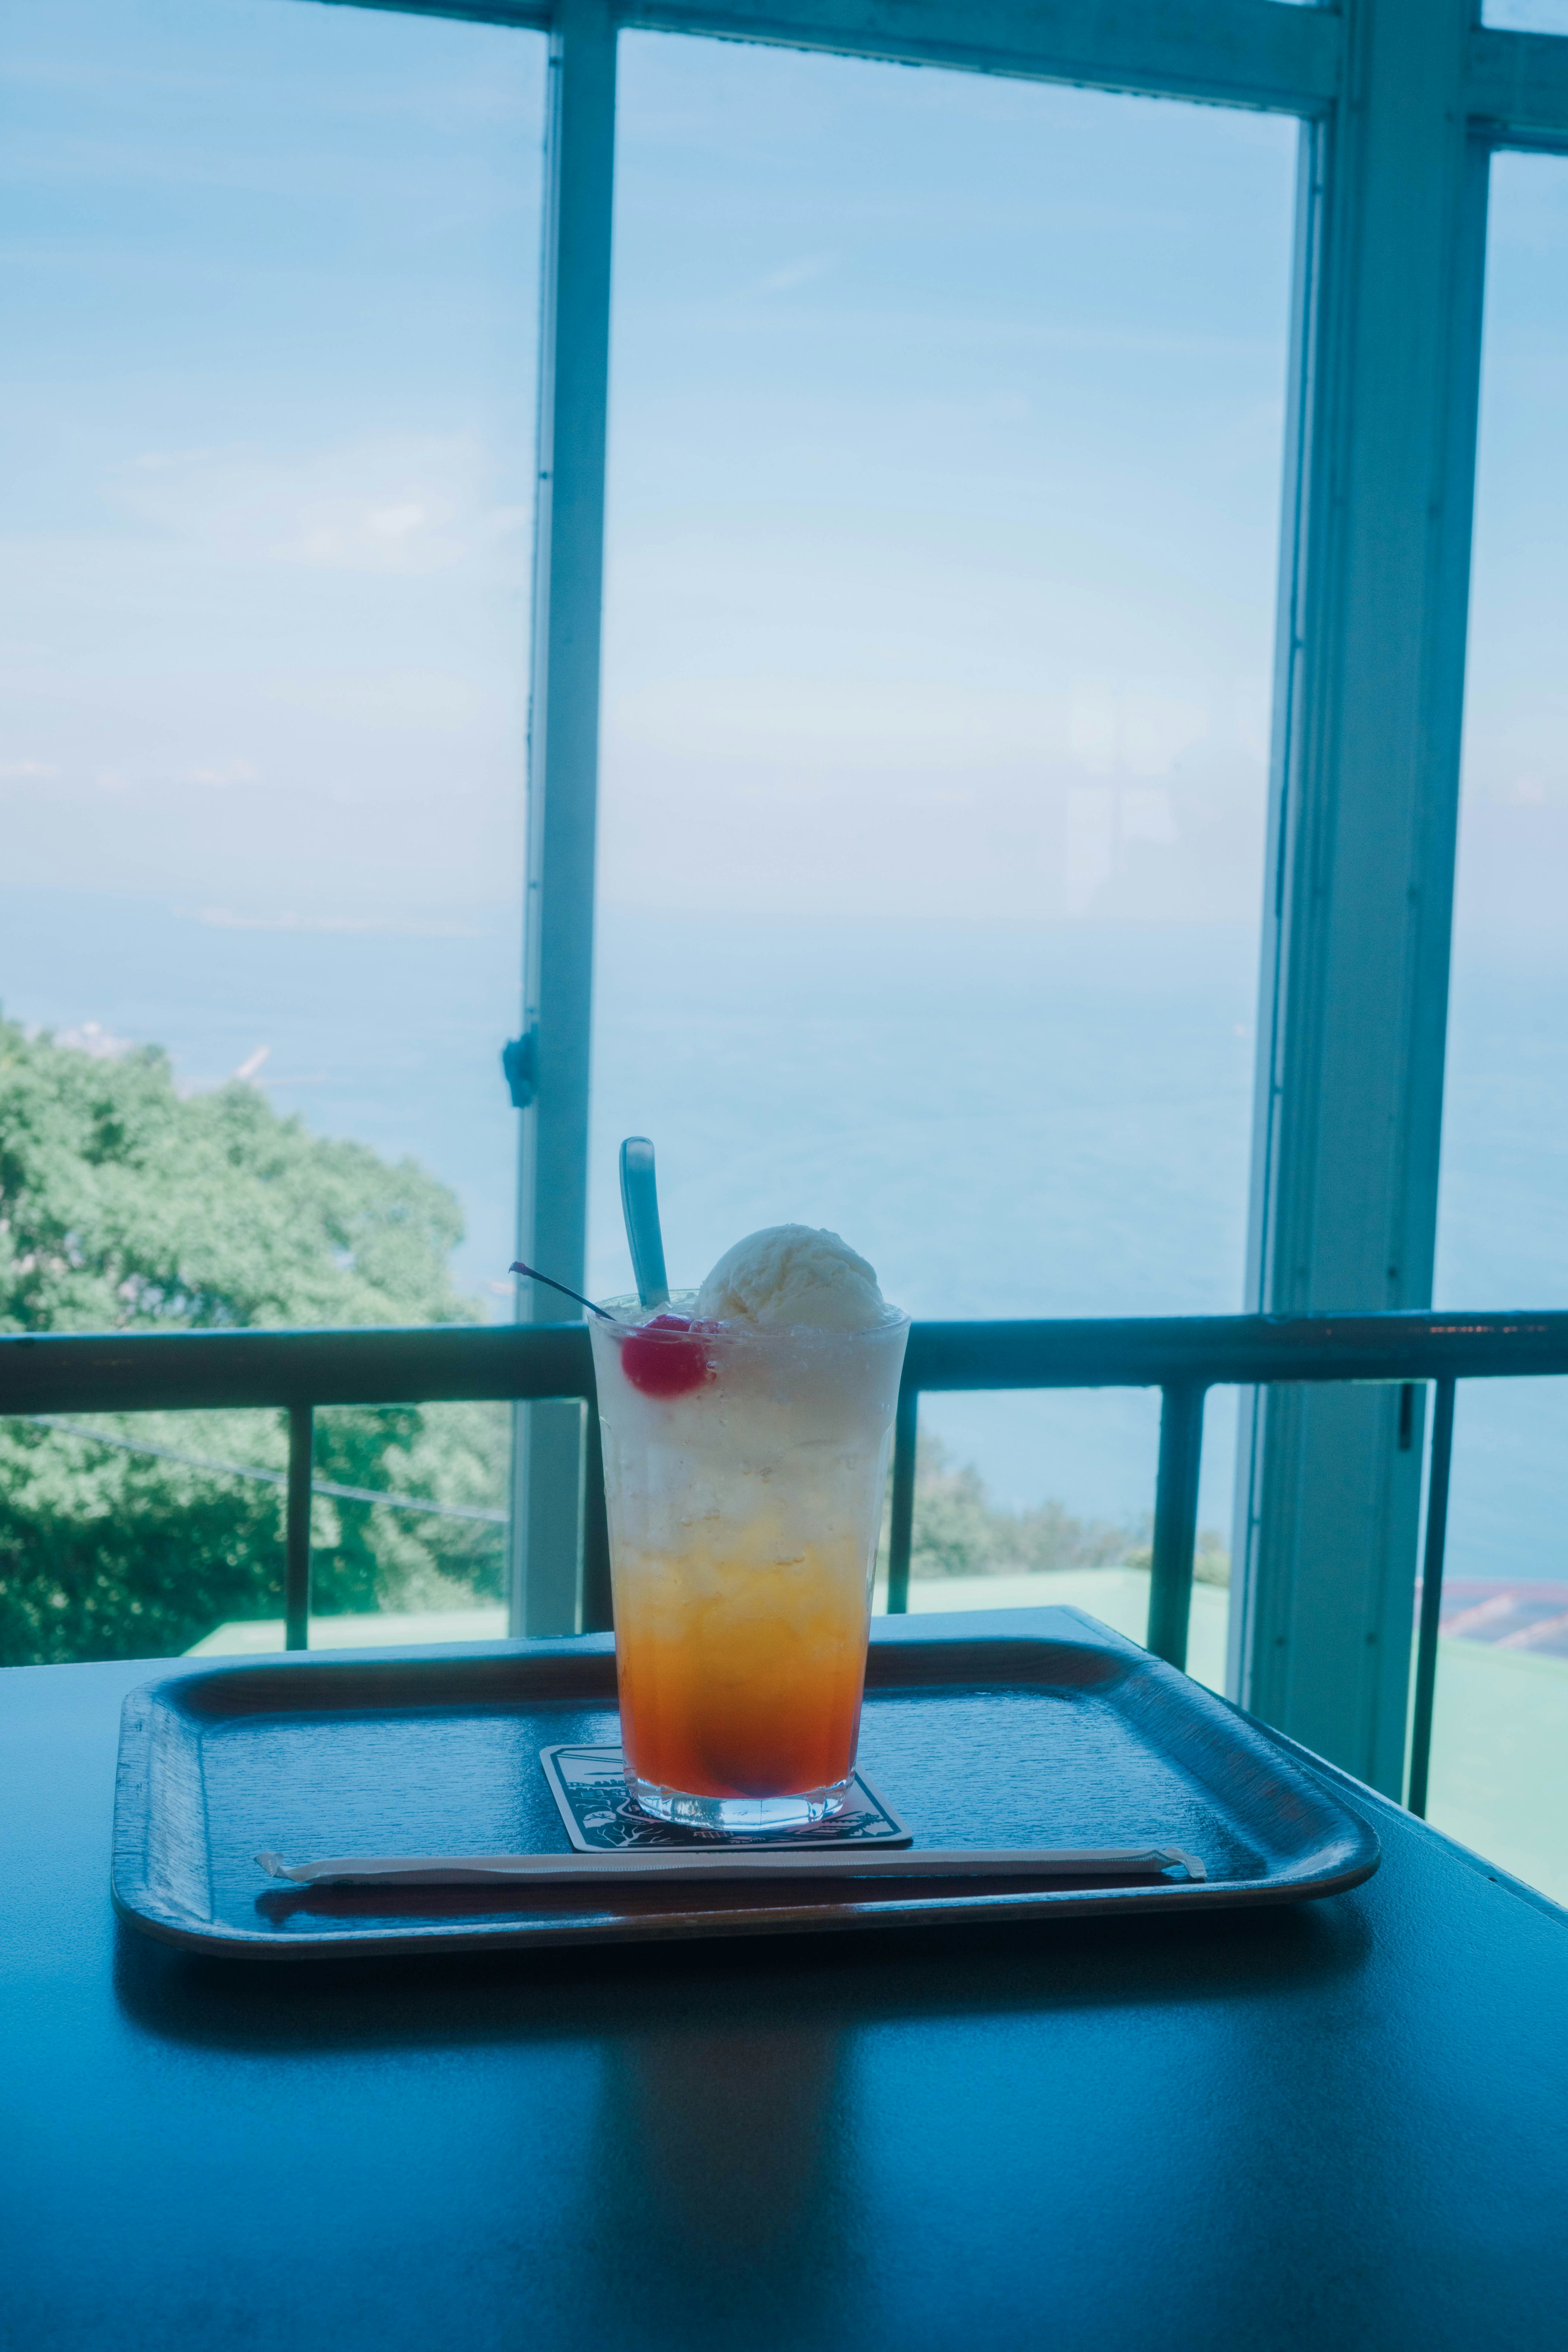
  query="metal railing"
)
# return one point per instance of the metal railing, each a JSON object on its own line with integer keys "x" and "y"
{"x": 296, "y": 1371}
{"x": 1183, "y": 1356}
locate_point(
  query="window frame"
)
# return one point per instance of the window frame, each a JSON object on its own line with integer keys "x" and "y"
{"x": 1402, "y": 104}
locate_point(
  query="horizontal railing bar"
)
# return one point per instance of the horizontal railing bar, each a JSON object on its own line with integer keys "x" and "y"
{"x": 148, "y": 1372}
{"x": 195, "y": 1370}
{"x": 1183, "y": 1355}
{"x": 1235, "y": 1350}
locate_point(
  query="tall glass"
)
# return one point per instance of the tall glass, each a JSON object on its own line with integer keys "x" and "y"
{"x": 744, "y": 1471}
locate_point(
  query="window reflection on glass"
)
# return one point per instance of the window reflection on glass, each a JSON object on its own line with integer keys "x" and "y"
{"x": 1502, "y": 1728}
{"x": 269, "y": 283}
{"x": 944, "y": 483}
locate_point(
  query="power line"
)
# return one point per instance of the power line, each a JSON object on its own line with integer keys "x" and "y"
{"x": 268, "y": 1478}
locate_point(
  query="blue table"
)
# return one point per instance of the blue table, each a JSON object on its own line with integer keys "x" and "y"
{"x": 1340, "y": 2125}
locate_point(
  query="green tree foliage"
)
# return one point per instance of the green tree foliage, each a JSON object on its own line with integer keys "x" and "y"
{"x": 125, "y": 1206}
{"x": 959, "y": 1531}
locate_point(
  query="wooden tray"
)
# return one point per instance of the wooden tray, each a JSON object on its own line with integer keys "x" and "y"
{"x": 1023, "y": 1728}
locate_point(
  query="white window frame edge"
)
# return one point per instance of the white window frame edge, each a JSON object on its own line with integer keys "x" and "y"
{"x": 1402, "y": 102}
{"x": 548, "y": 1452}
{"x": 1370, "y": 674}
{"x": 1363, "y": 810}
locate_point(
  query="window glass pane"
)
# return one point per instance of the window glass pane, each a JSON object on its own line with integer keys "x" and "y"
{"x": 271, "y": 284}
{"x": 1503, "y": 1697}
{"x": 272, "y": 313}
{"x": 1526, "y": 15}
{"x": 945, "y": 456}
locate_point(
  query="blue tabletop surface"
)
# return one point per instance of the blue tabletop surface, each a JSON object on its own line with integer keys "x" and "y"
{"x": 1342, "y": 2124}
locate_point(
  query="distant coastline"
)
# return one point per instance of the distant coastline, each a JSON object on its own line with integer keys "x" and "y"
{"x": 1007, "y": 1121}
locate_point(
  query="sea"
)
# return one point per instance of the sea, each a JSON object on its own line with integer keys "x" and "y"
{"x": 1006, "y": 1119}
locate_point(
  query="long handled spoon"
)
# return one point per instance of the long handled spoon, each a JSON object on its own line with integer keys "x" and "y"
{"x": 639, "y": 1202}
{"x": 517, "y": 1267}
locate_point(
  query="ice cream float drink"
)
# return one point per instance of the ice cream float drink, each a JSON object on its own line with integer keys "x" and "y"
{"x": 746, "y": 1431}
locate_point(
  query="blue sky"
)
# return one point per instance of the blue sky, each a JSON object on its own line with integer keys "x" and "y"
{"x": 945, "y": 472}
{"x": 1514, "y": 850}
{"x": 943, "y": 491}
{"x": 270, "y": 277}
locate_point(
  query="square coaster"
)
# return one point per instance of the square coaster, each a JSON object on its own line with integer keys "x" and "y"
{"x": 590, "y": 1787}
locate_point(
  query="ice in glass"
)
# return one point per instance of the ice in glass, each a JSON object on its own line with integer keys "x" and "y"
{"x": 746, "y": 1431}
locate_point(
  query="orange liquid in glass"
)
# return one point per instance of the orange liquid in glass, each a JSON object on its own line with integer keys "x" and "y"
{"x": 741, "y": 1678}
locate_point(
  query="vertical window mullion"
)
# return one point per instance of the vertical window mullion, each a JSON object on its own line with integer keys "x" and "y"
{"x": 562, "y": 783}
{"x": 1348, "y": 1110}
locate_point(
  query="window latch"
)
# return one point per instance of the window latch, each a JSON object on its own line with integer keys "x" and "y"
{"x": 520, "y": 1067}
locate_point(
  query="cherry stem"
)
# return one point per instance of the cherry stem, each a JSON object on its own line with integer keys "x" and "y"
{"x": 517, "y": 1267}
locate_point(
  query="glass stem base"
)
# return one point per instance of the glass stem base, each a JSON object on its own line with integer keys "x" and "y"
{"x": 742, "y": 1816}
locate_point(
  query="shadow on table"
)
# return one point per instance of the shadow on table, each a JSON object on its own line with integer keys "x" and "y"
{"x": 844, "y": 1982}
{"x": 722, "y": 2183}
{"x": 715, "y": 2144}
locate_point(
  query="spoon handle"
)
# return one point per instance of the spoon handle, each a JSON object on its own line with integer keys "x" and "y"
{"x": 517, "y": 1267}
{"x": 639, "y": 1202}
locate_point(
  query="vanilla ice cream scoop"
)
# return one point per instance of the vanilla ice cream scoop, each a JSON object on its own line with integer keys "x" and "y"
{"x": 792, "y": 1278}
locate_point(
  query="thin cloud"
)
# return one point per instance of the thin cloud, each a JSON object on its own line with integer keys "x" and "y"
{"x": 796, "y": 273}
{"x": 397, "y": 503}
{"x": 227, "y": 772}
{"x": 101, "y": 1044}
{"x": 226, "y": 919}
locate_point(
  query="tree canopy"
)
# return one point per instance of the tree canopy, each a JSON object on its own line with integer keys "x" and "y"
{"x": 125, "y": 1205}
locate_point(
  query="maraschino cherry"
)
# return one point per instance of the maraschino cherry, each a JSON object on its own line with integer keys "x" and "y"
{"x": 671, "y": 1365}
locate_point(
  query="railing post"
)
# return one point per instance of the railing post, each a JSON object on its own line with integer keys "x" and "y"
{"x": 1176, "y": 1522}
{"x": 902, "y": 1516}
{"x": 297, "y": 1530}
{"x": 1431, "y": 1596}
